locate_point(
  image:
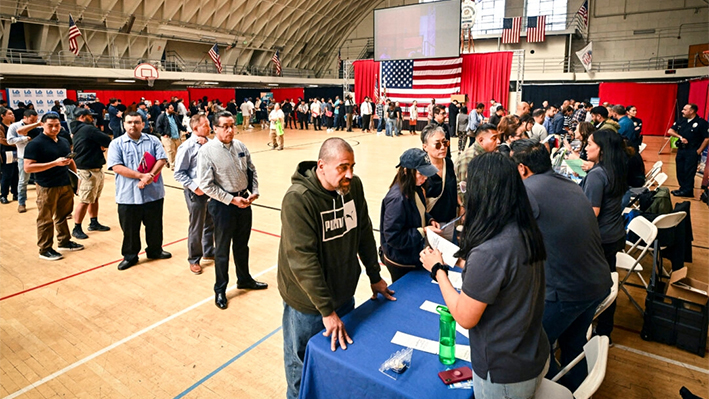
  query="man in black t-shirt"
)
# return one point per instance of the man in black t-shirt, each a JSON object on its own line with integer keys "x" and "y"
{"x": 46, "y": 157}
{"x": 89, "y": 145}
{"x": 98, "y": 109}
{"x": 693, "y": 137}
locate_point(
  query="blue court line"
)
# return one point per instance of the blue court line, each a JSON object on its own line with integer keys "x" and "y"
{"x": 223, "y": 366}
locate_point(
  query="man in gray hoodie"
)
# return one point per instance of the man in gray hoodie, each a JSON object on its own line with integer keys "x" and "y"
{"x": 325, "y": 226}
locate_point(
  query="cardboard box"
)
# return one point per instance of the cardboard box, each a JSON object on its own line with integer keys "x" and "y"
{"x": 461, "y": 98}
{"x": 686, "y": 288}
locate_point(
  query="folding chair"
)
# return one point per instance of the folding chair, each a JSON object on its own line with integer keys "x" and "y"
{"x": 647, "y": 232}
{"x": 606, "y": 303}
{"x": 596, "y": 354}
{"x": 642, "y": 148}
{"x": 656, "y": 168}
{"x": 658, "y": 180}
{"x": 666, "y": 221}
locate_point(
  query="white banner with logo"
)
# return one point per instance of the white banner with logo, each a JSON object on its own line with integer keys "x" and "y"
{"x": 42, "y": 99}
{"x": 586, "y": 56}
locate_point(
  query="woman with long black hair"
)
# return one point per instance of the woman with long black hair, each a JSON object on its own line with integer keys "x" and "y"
{"x": 404, "y": 221}
{"x": 604, "y": 185}
{"x": 502, "y": 299}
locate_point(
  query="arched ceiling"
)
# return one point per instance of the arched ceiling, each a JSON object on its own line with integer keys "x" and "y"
{"x": 306, "y": 32}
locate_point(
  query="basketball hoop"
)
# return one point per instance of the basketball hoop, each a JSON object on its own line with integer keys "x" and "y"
{"x": 146, "y": 72}
{"x": 704, "y": 59}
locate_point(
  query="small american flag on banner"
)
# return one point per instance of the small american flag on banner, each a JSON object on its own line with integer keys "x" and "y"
{"x": 422, "y": 80}
{"x": 511, "y": 29}
{"x": 583, "y": 13}
{"x": 73, "y": 34}
{"x": 376, "y": 89}
{"x": 214, "y": 55}
{"x": 277, "y": 60}
{"x": 536, "y": 29}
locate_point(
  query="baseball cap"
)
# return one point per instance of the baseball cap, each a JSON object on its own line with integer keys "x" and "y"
{"x": 416, "y": 158}
{"x": 79, "y": 112}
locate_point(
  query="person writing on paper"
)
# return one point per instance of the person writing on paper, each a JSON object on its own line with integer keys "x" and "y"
{"x": 325, "y": 233}
{"x": 140, "y": 196}
{"x": 277, "y": 117}
{"x": 441, "y": 193}
{"x": 404, "y": 220}
{"x": 502, "y": 299}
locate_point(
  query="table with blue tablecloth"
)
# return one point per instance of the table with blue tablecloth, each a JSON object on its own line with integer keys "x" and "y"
{"x": 354, "y": 373}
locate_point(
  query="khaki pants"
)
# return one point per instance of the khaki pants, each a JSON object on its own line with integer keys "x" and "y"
{"x": 170, "y": 145}
{"x": 247, "y": 121}
{"x": 56, "y": 203}
{"x": 277, "y": 140}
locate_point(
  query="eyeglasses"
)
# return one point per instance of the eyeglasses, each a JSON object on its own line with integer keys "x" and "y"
{"x": 225, "y": 127}
{"x": 444, "y": 144}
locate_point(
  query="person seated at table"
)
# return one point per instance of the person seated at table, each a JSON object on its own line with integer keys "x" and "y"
{"x": 441, "y": 193}
{"x": 576, "y": 273}
{"x": 502, "y": 299}
{"x": 404, "y": 221}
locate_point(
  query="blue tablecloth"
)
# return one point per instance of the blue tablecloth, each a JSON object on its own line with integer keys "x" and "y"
{"x": 354, "y": 373}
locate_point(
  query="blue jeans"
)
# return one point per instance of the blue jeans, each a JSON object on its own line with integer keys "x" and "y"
{"x": 298, "y": 328}
{"x": 391, "y": 128}
{"x": 23, "y": 179}
{"x": 484, "y": 388}
{"x": 380, "y": 125}
{"x": 567, "y": 323}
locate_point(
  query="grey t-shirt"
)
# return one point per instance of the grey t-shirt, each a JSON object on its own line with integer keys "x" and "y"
{"x": 508, "y": 341}
{"x": 596, "y": 186}
{"x": 576, "y": 269}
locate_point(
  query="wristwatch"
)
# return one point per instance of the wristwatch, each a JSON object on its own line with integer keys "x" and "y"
{"x": 438, "y": 266}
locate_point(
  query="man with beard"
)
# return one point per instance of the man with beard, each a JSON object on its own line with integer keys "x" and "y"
{"x": 326, "y": 226}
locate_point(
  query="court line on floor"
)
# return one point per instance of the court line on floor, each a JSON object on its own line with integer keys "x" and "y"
{"x": 225, "y": 365}
{"x": 122, "y": 341}
{"x": 104, "y": 265}
{"x": 662, "y": 358}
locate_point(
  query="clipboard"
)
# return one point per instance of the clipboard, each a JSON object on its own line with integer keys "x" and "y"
{"x": 146, "y": 164}
{"x": 448, "y": 229}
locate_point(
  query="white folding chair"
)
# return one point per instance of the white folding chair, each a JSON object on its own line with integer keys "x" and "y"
{"x": 647, "y": 232}
{"x": 596, "y": 354}
{"x": 658, "y": 180}
{"x": 656, "y": 168}
{"x": 666, "y": 221}
{"x": 642, "y": 148}
{"x": 605, "y": 304}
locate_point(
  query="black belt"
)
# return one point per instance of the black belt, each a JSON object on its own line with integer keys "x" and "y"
{"x": 242, "y": 194}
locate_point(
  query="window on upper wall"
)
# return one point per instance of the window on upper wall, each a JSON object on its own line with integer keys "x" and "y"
{"x": 488, "y": 19}
{"x": 555, "y": 10}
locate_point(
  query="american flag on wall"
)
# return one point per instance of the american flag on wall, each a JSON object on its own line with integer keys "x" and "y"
{"x": 277, "y": 60}
{"x": 583, "y": 13}
{"x": 536, "y": 29}
{"x": 422, "y": 80}
{"x": 376, "y": 89}
{"x": 214, "y": 55}
{"x": 74, "y": 32}
{"x": 511, "y": 29}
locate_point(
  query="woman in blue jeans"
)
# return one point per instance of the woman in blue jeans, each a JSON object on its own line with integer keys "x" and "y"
{"x": 502, "y": 299}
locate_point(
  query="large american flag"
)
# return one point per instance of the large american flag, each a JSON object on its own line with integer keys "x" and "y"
{"x": 511, "y": 29}
{"x": 214, "y": 55}
{"x": 536, "y": 29}
{"x": 73, "y": 34}
{"x": 583, "y": 13}
{"x": 422, "y": 80}
{"x": 277, "y": 60}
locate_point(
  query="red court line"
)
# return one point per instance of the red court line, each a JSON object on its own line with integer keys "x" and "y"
{"x": 104, "y": 265}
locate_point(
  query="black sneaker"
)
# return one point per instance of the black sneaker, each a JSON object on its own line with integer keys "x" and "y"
{"x": 98, "y": 227}
{"x": 4, "y": 200}
{"x": 78, "y": 233}
{"x": 70, "y": 246}
{"x": 50, "y": 254}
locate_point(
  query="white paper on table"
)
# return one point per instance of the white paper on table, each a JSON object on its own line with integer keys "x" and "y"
{"x": 9, "y": 156}
{"x": 462, "y": 352}
{"x": 431, "y": 307}
{"x": 456, "y": 279}
{"x": 447, "y": 248}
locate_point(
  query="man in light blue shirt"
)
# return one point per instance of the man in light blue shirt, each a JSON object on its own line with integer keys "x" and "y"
{"x": 139, "y": 196}
{"x": 200, "y": 237}
{"x": 474, "y": 120}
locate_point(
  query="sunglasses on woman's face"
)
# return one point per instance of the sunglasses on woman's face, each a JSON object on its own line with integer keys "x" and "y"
{"x": 443, "y": 143}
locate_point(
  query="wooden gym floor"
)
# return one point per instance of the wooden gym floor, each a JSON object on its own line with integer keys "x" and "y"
{"x": 80, "y": 328}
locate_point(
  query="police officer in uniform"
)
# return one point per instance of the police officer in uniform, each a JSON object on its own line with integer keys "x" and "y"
{"x": 693, "y": 134}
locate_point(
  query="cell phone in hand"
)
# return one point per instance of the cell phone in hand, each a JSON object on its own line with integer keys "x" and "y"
{"x": 70, "y": 155}
{"x": 456, "y": 375}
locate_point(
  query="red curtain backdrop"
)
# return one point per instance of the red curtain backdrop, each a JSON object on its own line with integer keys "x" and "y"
{"x": 71, "y": 94}
{"x": 486, "y": 76}
{"x": 127, "y": 97}
{"x": 654, "y": 101}
{"x": 366, "y": 72}
{"x": 223, "y": 95}
{"x": 288, "y": 93}
{"x": 699, "y": 94}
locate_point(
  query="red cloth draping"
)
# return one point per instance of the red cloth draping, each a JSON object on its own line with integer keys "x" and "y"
{"x": 288, "y": 94}
{"x": 366, "y": 73}
{"x": 71, "y": 94}
{"x": 128, "y": 97}
{"x": 223, "y": 95}
{"x": 699, "y": 94}
{"x": 486, "y": 76}
{"x": 654, "y": 101}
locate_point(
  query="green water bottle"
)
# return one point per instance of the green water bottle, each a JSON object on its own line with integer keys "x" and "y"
{"x": 446, "y": 341}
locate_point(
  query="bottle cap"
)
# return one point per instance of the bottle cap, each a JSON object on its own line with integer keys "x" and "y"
{"x": 445, "y": 313}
